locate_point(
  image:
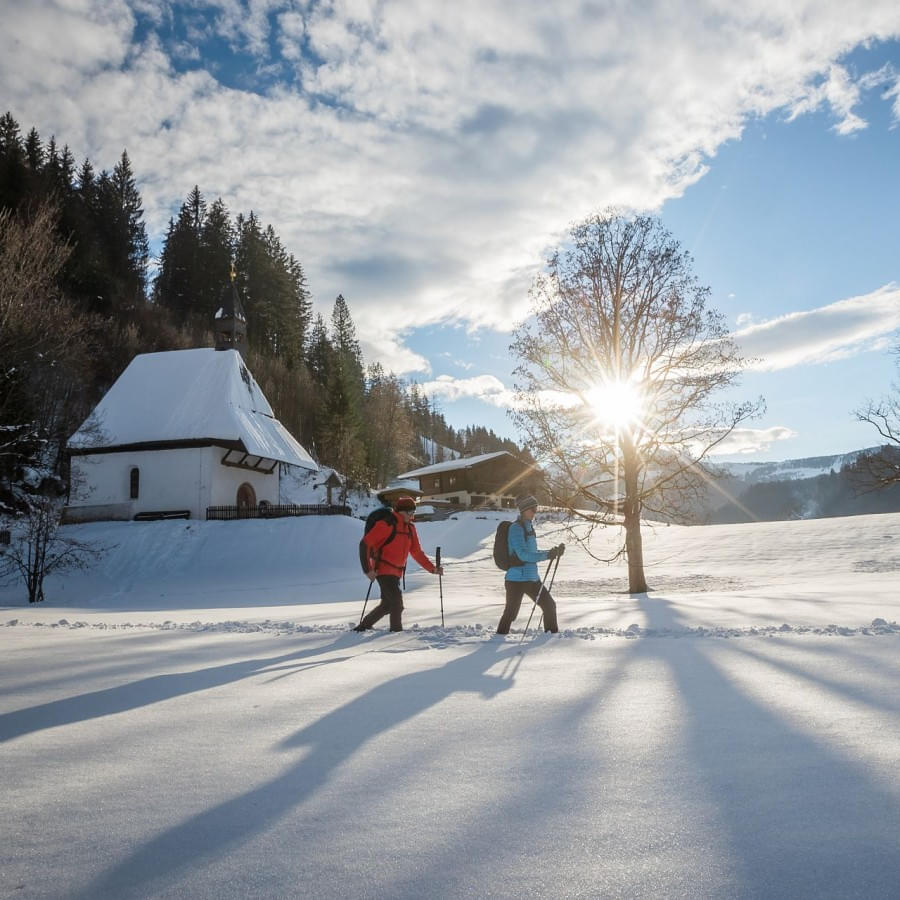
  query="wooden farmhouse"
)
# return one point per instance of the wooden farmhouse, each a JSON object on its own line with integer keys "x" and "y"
{"x": 179, "y": 432}
{"x": 490, "y": 480}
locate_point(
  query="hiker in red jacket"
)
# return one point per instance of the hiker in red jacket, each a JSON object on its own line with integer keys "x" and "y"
{"x": 389, "y": 544}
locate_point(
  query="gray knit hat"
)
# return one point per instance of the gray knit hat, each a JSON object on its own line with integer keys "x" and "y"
{"x": 526, "y": 502}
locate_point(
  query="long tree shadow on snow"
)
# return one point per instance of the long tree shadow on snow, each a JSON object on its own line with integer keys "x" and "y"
{"x": 156, "y": 689}
{"x": 874, "y": 697}
{"x": 332, "y": 740}
{"x": 802, "y": 820}
{"x": 542, "y": 782}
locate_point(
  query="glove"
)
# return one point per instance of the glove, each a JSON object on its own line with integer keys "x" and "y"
{"x": 553, "y": 552}
{"x": 560, "y": 549}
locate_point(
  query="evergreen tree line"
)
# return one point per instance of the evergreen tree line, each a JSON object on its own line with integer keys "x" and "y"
{"x": 77, "y": 304}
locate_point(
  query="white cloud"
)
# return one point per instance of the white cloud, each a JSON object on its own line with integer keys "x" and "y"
{"x": 752, "y": 440}
{"x": 459, "y": 363}
{"x": 893, "y": 93}
{"x": 389, "y": 350}
{"x": 840, "y": 93}
{"x": 480, "y": 387}
{"x": 425, "y": 157}
{"x": 34, "y": 58}
{"x": 831, "y": 332}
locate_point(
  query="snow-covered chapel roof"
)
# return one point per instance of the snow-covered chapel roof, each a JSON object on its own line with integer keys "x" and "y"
{"x": 189, "y": 395}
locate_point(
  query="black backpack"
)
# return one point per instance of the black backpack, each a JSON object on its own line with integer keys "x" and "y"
{"x": 382, "y": 514}
{"x": 502, "y": 557}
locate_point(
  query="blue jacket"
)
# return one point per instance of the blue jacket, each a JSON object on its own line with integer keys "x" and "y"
{"x": 523, "y": 543}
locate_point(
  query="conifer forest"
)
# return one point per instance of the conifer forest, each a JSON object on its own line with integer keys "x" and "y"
{"x": 81, "y": 295}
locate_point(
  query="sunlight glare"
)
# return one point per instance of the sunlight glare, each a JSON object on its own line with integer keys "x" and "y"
{"x": 616, "y": 404}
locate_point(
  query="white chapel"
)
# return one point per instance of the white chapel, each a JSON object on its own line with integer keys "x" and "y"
{"x": 179, "y": 432}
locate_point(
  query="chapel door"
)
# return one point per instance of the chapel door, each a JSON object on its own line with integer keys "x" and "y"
{"x": 246, "y": 498}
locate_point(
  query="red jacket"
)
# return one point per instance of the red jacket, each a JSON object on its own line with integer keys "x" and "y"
{"x": 390, "y": 558}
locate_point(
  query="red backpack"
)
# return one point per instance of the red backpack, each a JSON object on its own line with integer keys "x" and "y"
{"x": 382, "y": 514}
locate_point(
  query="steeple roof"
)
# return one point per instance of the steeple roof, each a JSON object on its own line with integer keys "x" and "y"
{"x": 230, "y": 324}
{"x": 230, "y": 306}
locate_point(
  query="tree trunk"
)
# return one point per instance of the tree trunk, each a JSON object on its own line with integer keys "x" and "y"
{"x": 34, "y": 579}
{"x": 634, "y": 546}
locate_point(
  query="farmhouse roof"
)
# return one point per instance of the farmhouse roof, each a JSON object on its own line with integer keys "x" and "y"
{"x": 450, "y": 465}
{"x": 189, "y": 395}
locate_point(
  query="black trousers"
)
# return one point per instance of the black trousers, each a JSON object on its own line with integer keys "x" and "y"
{"x": 391, "y": 604}
{"x": 515, "y": 590}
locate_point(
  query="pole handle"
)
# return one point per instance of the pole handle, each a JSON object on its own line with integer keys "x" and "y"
{"x": 437, "y": 557}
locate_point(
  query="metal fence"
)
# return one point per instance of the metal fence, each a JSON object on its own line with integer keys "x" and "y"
{"x": 276, "y": 511}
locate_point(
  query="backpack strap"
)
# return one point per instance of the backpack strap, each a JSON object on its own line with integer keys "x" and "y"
{"x": 514, "y": 561}
{"x": 376, "y": 554}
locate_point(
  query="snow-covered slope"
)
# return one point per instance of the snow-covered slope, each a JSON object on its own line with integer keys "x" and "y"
{"x": 193, "y": 719}
{"x": 307, "y": 569}
{"x": 789, "y": 469}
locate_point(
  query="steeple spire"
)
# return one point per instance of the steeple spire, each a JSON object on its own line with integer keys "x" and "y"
{"x": 230, "y": 325}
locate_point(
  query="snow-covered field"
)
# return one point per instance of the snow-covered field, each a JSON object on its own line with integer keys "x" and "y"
{"x": 193, "y": 719}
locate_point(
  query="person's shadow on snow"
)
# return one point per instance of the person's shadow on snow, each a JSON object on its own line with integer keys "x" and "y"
{"x": 331, "y": 740}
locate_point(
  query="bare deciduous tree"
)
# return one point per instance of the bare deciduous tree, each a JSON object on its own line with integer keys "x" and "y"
{"x": 389, "y": 430}
{"x": 41, "y": 338}
{"x": 38, "y": 547}
{"x": 882, "y": 469}
{"x": 618, "y": 367}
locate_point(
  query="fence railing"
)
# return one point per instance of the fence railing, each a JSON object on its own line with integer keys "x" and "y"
{"x": 276, "y": 511}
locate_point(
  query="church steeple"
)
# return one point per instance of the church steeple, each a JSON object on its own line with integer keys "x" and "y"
{"x": 230, "y": 325}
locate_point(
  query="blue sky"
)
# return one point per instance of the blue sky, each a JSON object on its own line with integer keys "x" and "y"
{"x": 422, "y": 160}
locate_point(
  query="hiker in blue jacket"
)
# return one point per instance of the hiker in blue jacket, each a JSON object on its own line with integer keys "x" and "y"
{"x": 524, "y": 579}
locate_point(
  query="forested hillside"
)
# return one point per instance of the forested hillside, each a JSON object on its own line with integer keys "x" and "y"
{"x": 79, "y": 299}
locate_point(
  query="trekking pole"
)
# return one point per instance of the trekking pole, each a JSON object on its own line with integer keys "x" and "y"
{"x": 369, "y": 591}
{"x": 437, "y": 557}
{"x": 549, "y": 588}
{"x": 537, "y": 597}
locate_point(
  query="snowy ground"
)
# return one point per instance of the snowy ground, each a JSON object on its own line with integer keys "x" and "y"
{"x": 192, "y": 719}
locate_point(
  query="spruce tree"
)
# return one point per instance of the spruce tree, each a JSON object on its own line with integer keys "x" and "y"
{"x": 345, "y": 342}
{"x": 122, "y": 236}
{"x": 137, "y": 244}
{"x": 253, "y": 282}
{"x": 285, "y": 329}
{"x": 300, "y": 310}
{"x": 13, "y": 168}
{"x": 181, "y": 276}
{"x": 339, "y": 437}
{"x": 34, "y": 151}
{"x": 86, "y": 272}
{"x": 217, "y": 255}
{"x": 319, "y": 352}
{"x": 86, "y": 182}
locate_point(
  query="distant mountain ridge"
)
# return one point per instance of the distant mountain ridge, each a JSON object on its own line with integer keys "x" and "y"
{"x": 792, "y": 469}
{"x": 809, "y": 488}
